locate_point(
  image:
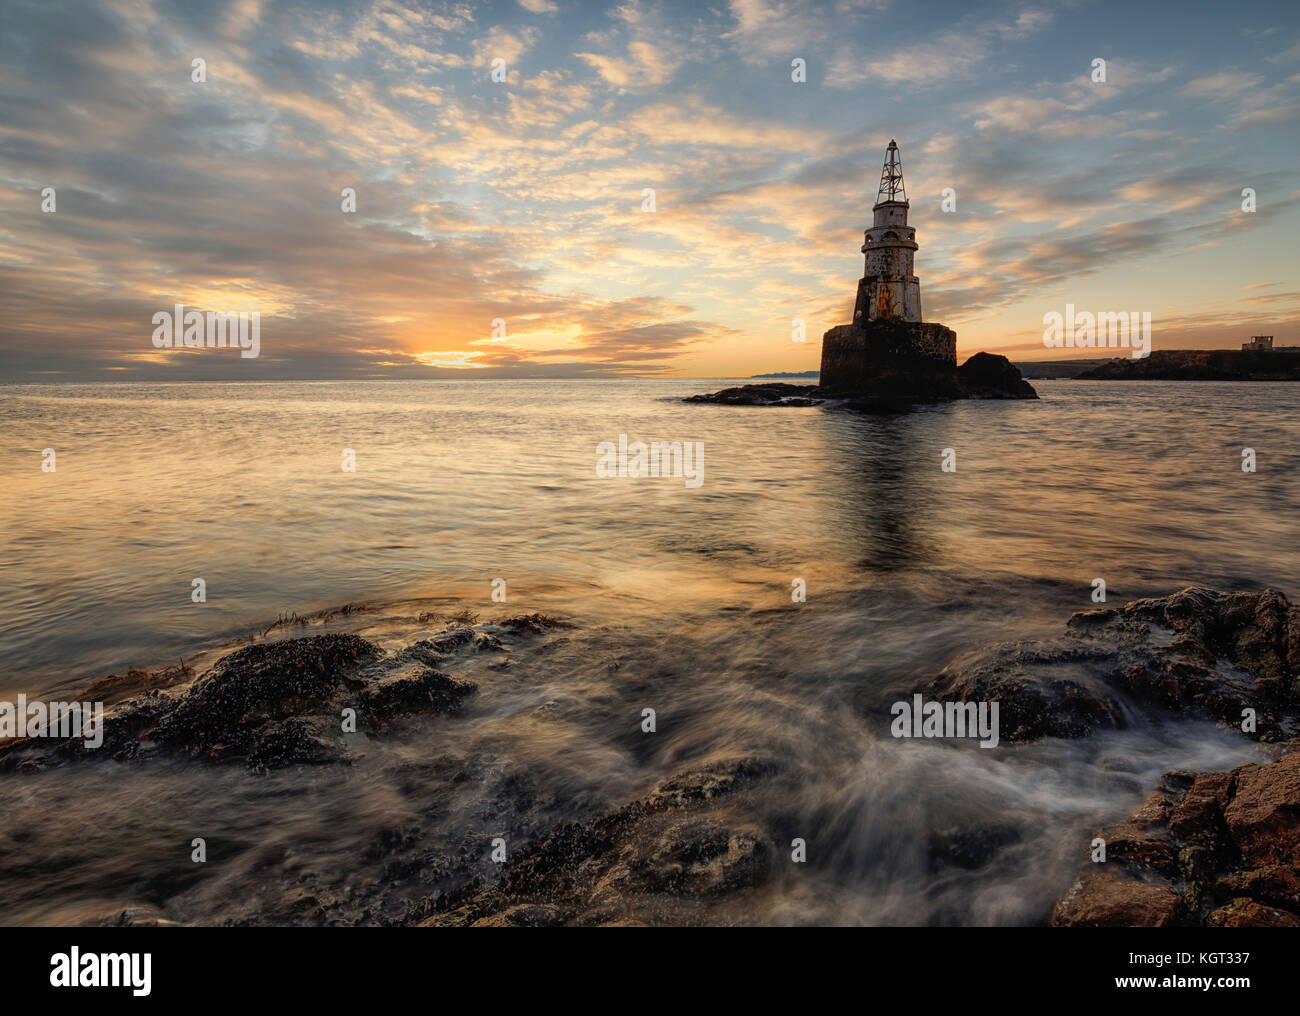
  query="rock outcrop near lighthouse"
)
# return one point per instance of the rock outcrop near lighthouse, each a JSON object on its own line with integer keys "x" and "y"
{"x": 887, "y": 354}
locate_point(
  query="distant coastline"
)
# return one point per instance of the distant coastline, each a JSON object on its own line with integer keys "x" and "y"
{"x": 1174, "y": 365}
{"x": 1054, "y": 370}
{"x": 1201, "y": 365}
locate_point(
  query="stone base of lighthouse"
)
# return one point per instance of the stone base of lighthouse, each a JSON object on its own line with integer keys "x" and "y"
{"x": 892, "y": 359}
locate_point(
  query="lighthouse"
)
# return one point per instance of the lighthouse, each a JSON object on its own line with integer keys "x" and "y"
{"x": 888, "y": 290}
{"x": 887, "y": 355}
{"x": 887, "y": 351}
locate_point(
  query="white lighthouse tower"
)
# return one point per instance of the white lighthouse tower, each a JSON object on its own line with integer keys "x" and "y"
{"x": 887, "y": 352}
{"x": 888, "y": 290}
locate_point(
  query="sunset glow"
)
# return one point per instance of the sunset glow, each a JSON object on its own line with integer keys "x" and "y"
{"x": 523, "y": 199}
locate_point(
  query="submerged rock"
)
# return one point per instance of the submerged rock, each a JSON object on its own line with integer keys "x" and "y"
{"x": 117, "y": 687}
{"x": 771, "y": 394}
{"x": 531, "y": 624}
{"x": 425, "y": 690}
{"x": 688, "y": 841}
{"x": 1215, "y": 849}
{"x": 294, "y": 741}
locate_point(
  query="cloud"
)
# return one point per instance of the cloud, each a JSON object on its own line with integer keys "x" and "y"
{"x": 478, "y": 200}
{"x": 502, "y": 43}
{"x": 768, "y": 30}
{"x": 640, "y": 65}
{"x": 1027, "y": 23}
{"x": 241, "y": 18}
{"x": 1221, "y": 86}
{"x": 642, "y": 49}
{"x": 951, "y": 55}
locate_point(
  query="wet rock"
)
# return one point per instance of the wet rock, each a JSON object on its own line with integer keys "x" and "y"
{"x": 656, "y": 859}
{"x": 1206, "y": 648}
{"x": 1198, "y": 817}
{"x": 1137, "y": 844}
{"x": 424, "y": 651}
{"x": 1197, "y": 652}
{"x": 275, "y": 704}
{"x": 1246, "y": 913}
{"x": 291, "y": 742}
{"x": 774, "y": 394}
{"x": 136, "y": 917}
{"x": 1110, "y": 899}
{"x": 116, "y": 688}
{"x": 525, "y": 915}
{"x": 1216, "y": 849}
{"x": 969, "y": 848}
{"x": 273, "y": 681}
{"x": 128, "y": 722}
{"x": 1264, "y": 812}
{"x": 708, "y": 781}
{"x": 1276, "y": 885}
{"x": 1042, "y": 689}
{"x": 487, "y": 643}
{"x": 993, "y": 376}
{"x": 532, "y": 624}
{"x": 426, "y": 690}
{"x": 701, "y": 857}
{"x": 449, "y": 641}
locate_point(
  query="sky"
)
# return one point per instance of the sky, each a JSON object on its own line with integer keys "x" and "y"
{"x": 501, "y": 154}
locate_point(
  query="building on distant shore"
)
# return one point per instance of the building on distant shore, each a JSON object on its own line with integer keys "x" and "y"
{"x": 1263, "y": 343}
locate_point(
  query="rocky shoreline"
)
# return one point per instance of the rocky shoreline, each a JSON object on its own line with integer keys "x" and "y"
{"x": 1217, "y": 849}
{"x": 1198, "y": 652}
{"x": 275, "y": 704}
{"x": 1228, "y": 852}
{"x": 1205, "y": 849}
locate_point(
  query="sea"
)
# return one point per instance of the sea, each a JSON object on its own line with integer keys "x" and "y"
{"x": 818, "y": 558}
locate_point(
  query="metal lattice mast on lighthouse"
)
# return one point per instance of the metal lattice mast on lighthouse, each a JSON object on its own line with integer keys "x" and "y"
{"x": 888, "y": 289}
{"x": 891, "y": 176}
